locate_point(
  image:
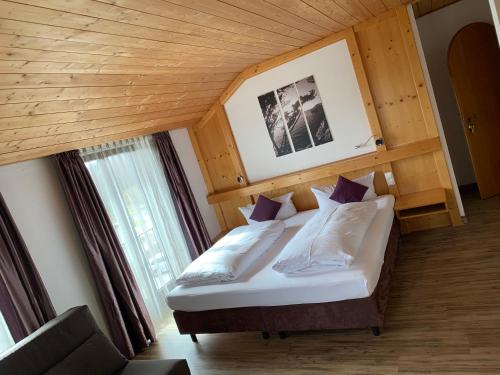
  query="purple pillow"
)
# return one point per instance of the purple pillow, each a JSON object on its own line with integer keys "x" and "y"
{"x": 265, "y": 209}
{"x": 348, "y": 191}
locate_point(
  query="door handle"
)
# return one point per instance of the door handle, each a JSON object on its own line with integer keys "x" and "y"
{"x": 471, "y": 125}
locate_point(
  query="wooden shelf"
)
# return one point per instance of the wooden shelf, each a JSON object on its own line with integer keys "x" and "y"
{"x": 412, "y": 213}
{"x": 420, "y": 199}
{"x": 421, "y": 204}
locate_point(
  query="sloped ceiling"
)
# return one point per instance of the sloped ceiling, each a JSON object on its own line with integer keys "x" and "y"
{"x": 74, "y": 73}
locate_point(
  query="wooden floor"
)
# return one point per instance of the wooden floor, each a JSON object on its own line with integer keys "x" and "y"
{"x": 443, "y": 317}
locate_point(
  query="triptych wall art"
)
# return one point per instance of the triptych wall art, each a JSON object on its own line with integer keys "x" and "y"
{"x": 295, "y": 118}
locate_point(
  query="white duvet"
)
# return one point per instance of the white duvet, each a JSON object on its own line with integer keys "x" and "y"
{"x": 331, "y": 239}
{"x": 233, "y": 254}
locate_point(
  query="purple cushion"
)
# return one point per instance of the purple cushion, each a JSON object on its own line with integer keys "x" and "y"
{"x": 348, "y": 191}
{"x": 265, "y": 209}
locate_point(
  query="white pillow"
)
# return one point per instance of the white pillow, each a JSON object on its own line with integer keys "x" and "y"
{"x": 286, "y": 210}
{"x": 323, "y": 193}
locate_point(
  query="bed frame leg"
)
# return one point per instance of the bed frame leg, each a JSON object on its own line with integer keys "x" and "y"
{"x": 282, "y": 335}
{"x": 193, "y": 337}
{"x": 376, "y": 331}
{"x": 265, "y": 335}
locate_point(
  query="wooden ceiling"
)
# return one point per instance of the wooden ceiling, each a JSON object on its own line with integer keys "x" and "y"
{"x": 423, "y": 7}
{"x": 75, "y": 73}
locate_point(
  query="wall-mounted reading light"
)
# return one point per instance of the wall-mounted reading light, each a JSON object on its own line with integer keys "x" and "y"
{"x": 379, "y": 142}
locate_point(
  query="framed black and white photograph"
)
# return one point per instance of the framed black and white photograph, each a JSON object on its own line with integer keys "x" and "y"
{"x": 314, "y": 112}
{"x": 274, "y": 123}
{"x": 294, "y": 117}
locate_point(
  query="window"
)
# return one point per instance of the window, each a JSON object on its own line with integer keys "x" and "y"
{"x": 131, "y": 182}
{"x": 6, "y": 340}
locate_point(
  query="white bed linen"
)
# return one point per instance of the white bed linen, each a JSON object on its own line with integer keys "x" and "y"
{"x": 233, "y": 255}
{"x": 331, "y": 240}
{"x": 266, "y": 287}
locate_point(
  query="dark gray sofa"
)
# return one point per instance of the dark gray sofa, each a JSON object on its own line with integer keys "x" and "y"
{"x": 73, "y": 344}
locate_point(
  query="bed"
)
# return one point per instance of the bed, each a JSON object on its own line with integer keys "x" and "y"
{"x": 268, "y": 301}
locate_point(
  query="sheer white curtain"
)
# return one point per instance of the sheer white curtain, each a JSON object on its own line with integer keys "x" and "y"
{"x": 6, "y": 340}
{"x": 131, "y": 182}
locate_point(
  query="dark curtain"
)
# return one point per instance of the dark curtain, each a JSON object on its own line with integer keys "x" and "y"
{"x": 192, "y": 224}
{"x": 24, "y": 301}
{"x": 129, "y": 321}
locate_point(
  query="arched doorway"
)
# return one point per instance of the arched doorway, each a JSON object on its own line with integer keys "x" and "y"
{"x": 474, "y": 66}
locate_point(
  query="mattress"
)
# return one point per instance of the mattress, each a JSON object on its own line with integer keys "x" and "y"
{"x": 262, "y": 286}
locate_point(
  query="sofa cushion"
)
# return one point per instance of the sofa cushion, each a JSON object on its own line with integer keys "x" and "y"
{"x": 96, "y": 356}
{"x": 157, "y": 367}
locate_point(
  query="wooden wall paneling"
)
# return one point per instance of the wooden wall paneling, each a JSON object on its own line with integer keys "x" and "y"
{"x": 364, "y": 88}
{"x": 395, "y": 95}
{"x": 363, "y": 162}
{"x": 304, "y": 199}
{"x": 396, "y": 99}
{"x": 221, "y": 163}
{"x": 206, "y": 176}
{"x": 426, "y": 108}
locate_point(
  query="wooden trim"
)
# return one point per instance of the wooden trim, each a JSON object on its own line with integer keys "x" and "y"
{"x": 280, "y": 60}
{"x": 335, "y": 168}
{"x": 231, "y": 143}
{"x": 364, "y": 88}
{"x": 206, "y": 177}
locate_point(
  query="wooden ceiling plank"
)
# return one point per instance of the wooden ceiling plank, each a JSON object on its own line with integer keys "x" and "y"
{"x": 355, "y": 8}
{"x": 227, "y": 11}
{"x": 394, "y": 3}
{"x": 89, "y": 125}
{"x": 180, "y": 107}
{"x": 199, "y": 18}
{"x": 54, "y": 149}
{"x": 375, "y": 7}
{"x": 95, "y": 92}
{"x": 77, "y": 25}
{"x": 334, "y": 11}
{"x": 301, "y": 9}
{"x": 55, "y": 33}
{"x": 55, "y": 106}
{"x": 181, "y": 31}
{"x": 22, "y": 66}
{"x": 27, "y": 80}
{"x": 282, "y": 15}
{"x": 26, "y": 144}
{"x": 11, "y": 36}
{"x": 28, "y": 54}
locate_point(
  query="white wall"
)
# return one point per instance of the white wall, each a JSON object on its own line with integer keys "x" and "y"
{"x": 184, "y": 148}
{"x": 436, "y": 31}
{"x": 36, "y": 201}
{"x": 343, "y": 105}
{"x": 495, "y": 10}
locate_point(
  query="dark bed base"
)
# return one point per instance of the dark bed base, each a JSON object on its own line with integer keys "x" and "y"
{"x": 356, "y": 313}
